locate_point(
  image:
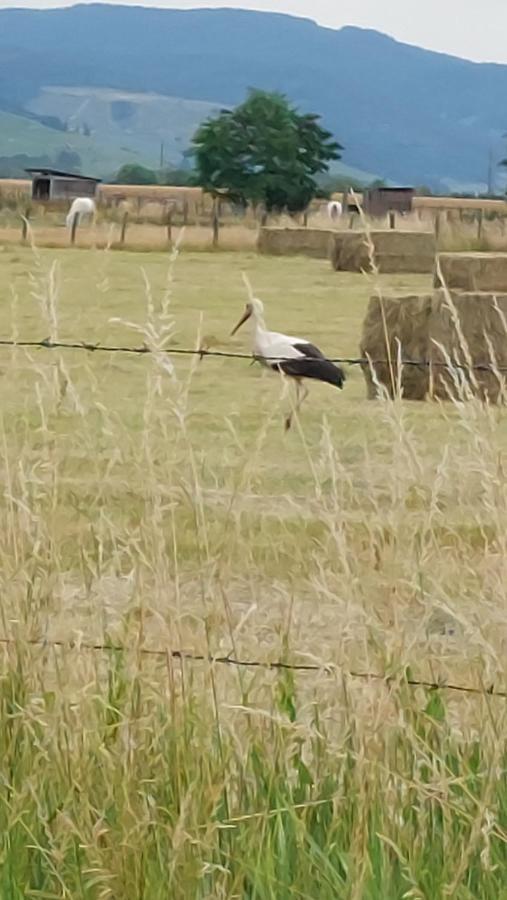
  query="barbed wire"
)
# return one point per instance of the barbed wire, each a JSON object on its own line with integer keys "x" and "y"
{"x": 183, "y": 655}
{"x": 276, "y": 665}
{"x": 143, "y": 350}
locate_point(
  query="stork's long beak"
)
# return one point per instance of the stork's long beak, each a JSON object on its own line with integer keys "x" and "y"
{"x": 244, "y": 318}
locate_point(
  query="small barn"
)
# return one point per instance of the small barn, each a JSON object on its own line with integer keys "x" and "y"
{"x": 53, "y": 185}
{"x": 380, "y": 201}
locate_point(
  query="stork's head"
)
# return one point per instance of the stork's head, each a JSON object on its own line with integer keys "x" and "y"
{"x": 255, "y": 308}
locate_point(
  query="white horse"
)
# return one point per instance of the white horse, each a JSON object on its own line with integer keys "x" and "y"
{"x": 334, "y": 209}
{"x": 82, "y": 207}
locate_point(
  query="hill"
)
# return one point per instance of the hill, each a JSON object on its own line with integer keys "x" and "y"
{"x": 404, "y": 113}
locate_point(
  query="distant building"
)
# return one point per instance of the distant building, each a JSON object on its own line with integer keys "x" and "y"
{"x": 379, "y": 201}
{"x": 50, "y": 184}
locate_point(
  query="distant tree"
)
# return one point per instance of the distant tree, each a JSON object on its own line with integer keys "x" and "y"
{"x": 132, "y": 173}
{"x": 68, "y": 159}
{"x": 51, "y": 122}
{"x": 15, "y": 166}
{"x": 263, "y": 152}
{"x": 122, "y": 110}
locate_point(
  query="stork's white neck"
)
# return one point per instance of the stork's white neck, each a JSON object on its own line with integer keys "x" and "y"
{"x": 257, "y": 323}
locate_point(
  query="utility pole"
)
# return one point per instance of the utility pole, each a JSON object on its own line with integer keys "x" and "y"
{"x": 491, "y": 175}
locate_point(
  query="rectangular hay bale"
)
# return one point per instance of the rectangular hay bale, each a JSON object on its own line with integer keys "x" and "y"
{"x": 472, "y": 272}
{"x": 394, "y": 251}
{"x": 390, "y": 320}
{"x": 313, "y": 242}
{"x": 479, "y": 322}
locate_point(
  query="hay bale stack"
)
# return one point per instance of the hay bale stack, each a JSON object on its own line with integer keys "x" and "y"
{"x": 472, "y": 272}
{"x": 478, "y": 317}
{"x": 390, "y": 320}
{"x": 394, "y": 251}
{"x": 465, "y": 328}
{"x": 312, "y": 242}
{"x": 349, "y": 252}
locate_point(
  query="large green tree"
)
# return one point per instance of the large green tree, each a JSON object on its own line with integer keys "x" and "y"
{"x": 263, "y": 152}
{"x": 132, "y": 173}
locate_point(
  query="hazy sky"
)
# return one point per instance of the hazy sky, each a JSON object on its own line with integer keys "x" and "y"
{"x": 476, "y": 30}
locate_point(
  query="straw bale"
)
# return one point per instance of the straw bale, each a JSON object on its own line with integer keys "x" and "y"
{"x": 468, "y": 329}
{"x": 394, "y": 251}
{"x": 434, "y": 204}
{"x": 312, "y": 242}
{"x": 462, "y": 324}
{"x": 472, "y": 272}
{"x": 390, "y": 320}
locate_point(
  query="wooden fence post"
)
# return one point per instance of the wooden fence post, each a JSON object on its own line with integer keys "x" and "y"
{"x": 392, "y": 219}
{"x": 73, "y": 230}
{"x": 185, "y": 211}
{"x": 480, "y": 225}
{"x": 215, "y": 221}
{"x": 169, "y": 225}
{"x": 124, "y": 225}
{"x": 305, "y": 218}
{"x": 437, "y": 226}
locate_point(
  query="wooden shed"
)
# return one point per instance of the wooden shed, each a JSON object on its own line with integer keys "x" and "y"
{"x": 382, "y": 200}
{"x": 51, "y": 184}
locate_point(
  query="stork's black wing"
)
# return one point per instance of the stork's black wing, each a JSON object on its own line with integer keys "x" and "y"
{"x": 312, "y": 364}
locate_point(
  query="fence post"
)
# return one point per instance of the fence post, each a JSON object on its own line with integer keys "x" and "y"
{"x": 392, "y": 219}
{"x": 480, "y": 225}
{"x": 215, "y": 221}
{"x": 73, "y": 230}
{"x": 169, "y": 225}
{"x": 185, "y": 211}
{"x": 305, "y": 218}
{"x": 437, "y": 226}
{"x": 124, "y": 225}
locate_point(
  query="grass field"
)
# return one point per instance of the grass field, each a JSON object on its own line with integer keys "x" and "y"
{"x": 156, "y": 502}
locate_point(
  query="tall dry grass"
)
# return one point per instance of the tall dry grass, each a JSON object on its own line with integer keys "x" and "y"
{"x": 127, "y": 775}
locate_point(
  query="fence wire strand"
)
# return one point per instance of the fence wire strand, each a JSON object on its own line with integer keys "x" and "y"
{"x": 182, "y": 655}
{"x": 143, "y": 350}
{"x": 276, "y": 665}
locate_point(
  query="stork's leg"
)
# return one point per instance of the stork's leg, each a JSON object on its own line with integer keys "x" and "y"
{"x": 301, "y": 395}
{"x": 288, "y": 419}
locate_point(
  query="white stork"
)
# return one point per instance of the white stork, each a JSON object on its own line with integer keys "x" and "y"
{"x": 291, "y": 356}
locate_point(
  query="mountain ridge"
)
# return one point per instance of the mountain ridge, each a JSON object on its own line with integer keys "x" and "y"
{"x": 406, "y": 113}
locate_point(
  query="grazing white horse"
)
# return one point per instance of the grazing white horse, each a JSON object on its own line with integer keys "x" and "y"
{"x": 81, "y": 206}
{"x": 334, "y": 209}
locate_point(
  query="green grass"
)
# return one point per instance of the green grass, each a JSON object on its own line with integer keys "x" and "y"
{"x": 153, "y": 119}
{"x": 168, "y": 509}
{"x": 29, "y": 137}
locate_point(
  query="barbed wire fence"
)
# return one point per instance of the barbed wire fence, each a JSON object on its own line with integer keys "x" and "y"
{"x": 203, "y": 352}
{"x": 278, "y": 665}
